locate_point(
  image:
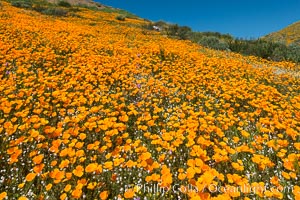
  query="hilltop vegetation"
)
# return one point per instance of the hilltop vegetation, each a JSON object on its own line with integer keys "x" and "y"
{"x": 94, "y": 107}
{"x": 289, "y": 35}
{"x": 264, "y": 48}
{"x": 62, "y": 3}
{"x": 89, "y": 3}
{"x": 62, "y": 8}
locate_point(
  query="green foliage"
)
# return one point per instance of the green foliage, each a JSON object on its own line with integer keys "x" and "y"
{"x": 172, "y": 30}
{"x": 148, "y": 26}
{"x": 28, "y": 3}
{"x": 120, "y": 12}
{"x": 59, "y": 12}
{"x": 40, "y": 8}
{"x": 266, "y": 49}
{"x": 74, "y": 9}
{"x": 256, "y": 47}
{"x": 88, "y": 7}
{"x": 161, "y": 24}
{"x": 213, "y": 42}
{"x": 127, "y": 14}
{"x": 64, "y": 4}
{"x": 21, "y": 4}
{"x": 197, "y": 36}
{"x": 121, "y": 17}
{"x": 279, "y": 54}
{"x": 293, "y": 53}
{"x": 181, "y": 32}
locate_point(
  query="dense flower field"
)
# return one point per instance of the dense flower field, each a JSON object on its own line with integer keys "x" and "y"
{"x": 96, "y": 108}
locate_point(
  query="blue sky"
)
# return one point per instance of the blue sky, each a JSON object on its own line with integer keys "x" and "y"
{"x": 247, "y": 19}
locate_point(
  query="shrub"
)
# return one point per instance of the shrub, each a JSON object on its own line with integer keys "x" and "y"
{"x": 64, "y": 4}
{"x": 148, "y": 26}
{"x": 183, "y": 32}
{"x": 39, "y": 8}
{"x": 161, "y": 24}
{"x": 74, "y": 9}
{"x": 87, "y": 7}
{"x": 121, "y": 17}
{"x": 213, "y": 42}
{"x": 278, "y": 55}
{"x": 172, "y": 30}
{"x": 293, "y": 53}
{"x": 55, "y": 12}
{"x": 92, "y": 24}
{"x": 21, "y": 4}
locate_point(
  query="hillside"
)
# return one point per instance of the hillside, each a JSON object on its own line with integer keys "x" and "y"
{"x": 288, "y": 35}
{"x": 97, "y": 107}
{"x": 78, "y": 2}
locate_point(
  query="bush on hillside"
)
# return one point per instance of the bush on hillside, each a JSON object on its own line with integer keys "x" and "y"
{"x": 279, "y": 54}
{"x": 183, "y": 32}
{"x": 39, "y": 8}
{"x": 213, "y": 42}
{"x": 121, "y": 17}
{"x": 74, "y": 9}
{"x": 21, "y": 4}
{"x": 174, "y": 30}
{"x": 160, "y": 24}
{"x": 64, "y": 4}
{"x": 59, "y": 12}
{"x": 148, "y": 26}
{"x": 266, "y": 49}
{"x": 293, "y": 53}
